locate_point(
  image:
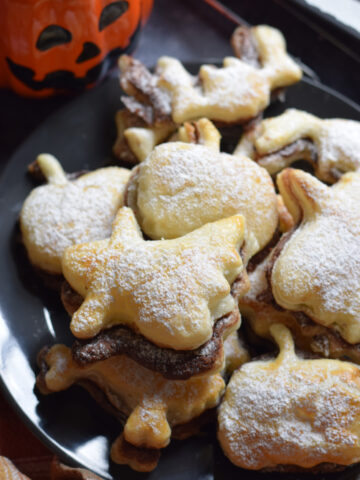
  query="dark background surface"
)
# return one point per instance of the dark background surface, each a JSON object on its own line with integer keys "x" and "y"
{"x": 192, "y": 30}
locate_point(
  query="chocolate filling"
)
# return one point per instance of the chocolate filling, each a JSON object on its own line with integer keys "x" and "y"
{"x": 244, "y": 46}
{"x": 150, "y": 103}
{"x": 302, "y": 149}
{"x": 308, "y": 334}
{"x": 172, "y": 364}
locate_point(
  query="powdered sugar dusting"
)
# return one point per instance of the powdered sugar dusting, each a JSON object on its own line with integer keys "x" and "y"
{"x": 172, "y": 291}
{"x": 55, "y": 217}
{"x": 182, "y": 187}
{"x": 235, "y": 92}
{"x": 291, "y": 412}
{"x": 339, "y": 144}
{"x": 318, "y": 270}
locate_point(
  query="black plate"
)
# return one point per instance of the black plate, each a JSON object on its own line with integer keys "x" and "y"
{"x": 70, "y": 423}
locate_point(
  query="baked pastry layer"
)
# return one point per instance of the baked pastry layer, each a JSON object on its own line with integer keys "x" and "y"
{"x": 317, "y": 269}
{"x": 331, "y": 146}
{"x": 181, "y": 186}
{"x": 171, "y": 291}
{"x": 233, "y": 93}
{"x": 151, "y": 404}
{"x": 291, "y": 411}
{"x": 66, "y": 212}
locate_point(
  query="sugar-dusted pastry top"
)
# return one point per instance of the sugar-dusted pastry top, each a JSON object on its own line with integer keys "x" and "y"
{"x": 291, "y": 411}
{"x": 64, "y": 212}
{"x": 152, "y": 404}
{"x": 234, "y": 92}
{"x": 181, "y": 186}
{"x": 318, "y": 269}
{"x": 171, "y": 291}
{"x": 332, "y": 146}
{"x": 260, "y": 310}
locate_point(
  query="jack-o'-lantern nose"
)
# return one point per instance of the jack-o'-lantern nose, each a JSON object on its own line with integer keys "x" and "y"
{"x": 90, "y": 50}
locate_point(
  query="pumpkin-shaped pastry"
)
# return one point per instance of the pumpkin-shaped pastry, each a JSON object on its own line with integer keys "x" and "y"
{"x": 64, "y": 212}
{"x": 291, "y": 413}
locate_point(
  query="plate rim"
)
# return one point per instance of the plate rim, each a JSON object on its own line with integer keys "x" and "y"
{"x": 38, "y": 431}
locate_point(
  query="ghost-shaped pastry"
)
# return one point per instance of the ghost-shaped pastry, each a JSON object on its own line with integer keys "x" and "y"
{"x": 317, "y": 270}
{"x": 331, "y": 146}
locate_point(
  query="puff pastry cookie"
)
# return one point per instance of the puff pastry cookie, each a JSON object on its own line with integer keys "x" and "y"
{"x": 331, "y": 146}
{"x": 291, "y": 412}
{"x": 260, "y": 310}
{"x": 234, "y": 93}
{"x": 64, "y": 212}
{"x": 171, "y": 291}
{"x": 181, "y": 186}
{"x": 317, "y": 270}
{"x": 151, "y": 404}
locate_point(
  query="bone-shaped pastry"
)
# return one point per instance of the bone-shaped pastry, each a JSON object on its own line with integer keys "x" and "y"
{"x": 317, "y": 270}
{"x": 66, "y": 212}
{"x": 151, "y": 404}
{"x": 171, "y": 291}
{"x": 181, "y": 186}
{"x": 234, "y": 93}
{"x": 291, "y": 412}
{"x": 331, "y": 146}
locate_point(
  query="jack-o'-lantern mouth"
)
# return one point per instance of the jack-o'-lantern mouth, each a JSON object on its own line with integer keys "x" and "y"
{"x": 63, "y": 79}
{"x": 66, "y": 79}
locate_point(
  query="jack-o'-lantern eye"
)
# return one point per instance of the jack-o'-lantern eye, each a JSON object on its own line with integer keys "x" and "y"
{"x": 111, "y": 13}
{"x": 52, "y": 36}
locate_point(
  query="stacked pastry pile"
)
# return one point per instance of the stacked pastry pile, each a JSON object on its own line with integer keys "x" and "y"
{"x": 154, "y": 266}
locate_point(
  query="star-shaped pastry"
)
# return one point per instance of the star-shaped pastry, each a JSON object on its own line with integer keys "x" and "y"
{"x": 170, "y": 291}
{"x": 65, "y": 212}
{"x": 332, "y": 146}
{"x": 290, "y": 411}
{"x": 317, "y": 271}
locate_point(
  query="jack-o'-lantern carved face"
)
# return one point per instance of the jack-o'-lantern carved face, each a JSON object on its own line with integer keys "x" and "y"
{"x": 53, "y": 45}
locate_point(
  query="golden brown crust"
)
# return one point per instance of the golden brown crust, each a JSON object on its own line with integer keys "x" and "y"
{"x": 330, "y": 146}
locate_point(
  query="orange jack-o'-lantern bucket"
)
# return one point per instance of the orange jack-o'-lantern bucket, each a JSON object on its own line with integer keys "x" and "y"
{"x": 52, "y": 46}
